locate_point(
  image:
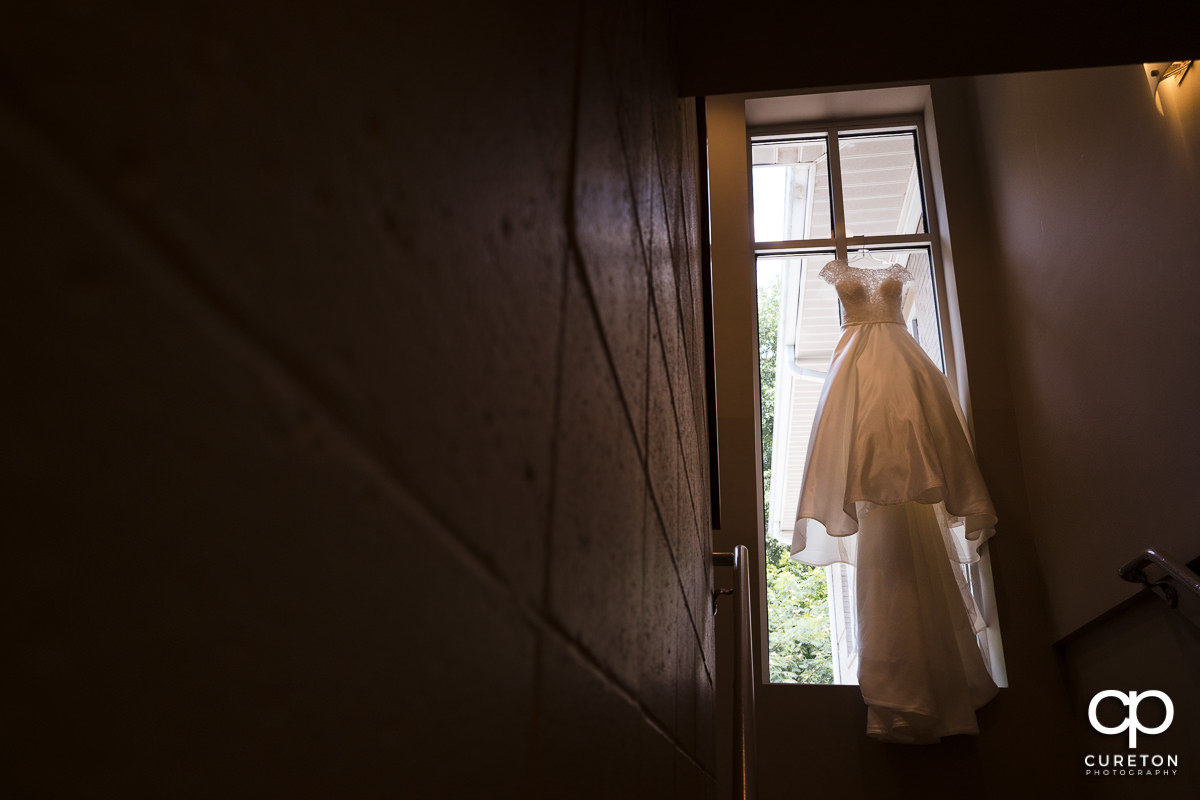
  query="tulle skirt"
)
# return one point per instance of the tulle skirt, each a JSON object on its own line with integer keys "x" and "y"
{"x": 920, "y": 671}
{"x": 891, "y": 486}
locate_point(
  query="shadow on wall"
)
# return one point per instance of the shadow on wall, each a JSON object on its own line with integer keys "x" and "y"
{"x": 355, "y": 441}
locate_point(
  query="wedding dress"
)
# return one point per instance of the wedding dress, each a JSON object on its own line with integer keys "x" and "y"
{"x": 891, "y": 486}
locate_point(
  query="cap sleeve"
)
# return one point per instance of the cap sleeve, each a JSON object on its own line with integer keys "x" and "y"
{"x": 830, "y": 271}
{"x": 902, "y": 273}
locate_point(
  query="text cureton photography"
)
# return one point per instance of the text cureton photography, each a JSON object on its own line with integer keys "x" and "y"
{"x": 1131, "y": 764}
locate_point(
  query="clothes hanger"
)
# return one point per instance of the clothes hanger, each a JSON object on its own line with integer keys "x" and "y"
{"x": 866, "y": 255}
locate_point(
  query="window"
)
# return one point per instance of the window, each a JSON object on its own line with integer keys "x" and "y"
{"x": 838, "y": 190}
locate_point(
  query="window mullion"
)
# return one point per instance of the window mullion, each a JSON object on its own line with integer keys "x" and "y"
{"x": 891, "y": 240}
{"x": 796, "y": 246}
{"x": 835, "y": 182}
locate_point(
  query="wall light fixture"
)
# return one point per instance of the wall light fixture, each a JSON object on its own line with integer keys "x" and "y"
{"x": 1161, "y": 71}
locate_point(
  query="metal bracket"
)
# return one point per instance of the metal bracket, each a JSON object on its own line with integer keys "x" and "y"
{"x": 717, "y": 595}
{"x": 1169, "y": 591}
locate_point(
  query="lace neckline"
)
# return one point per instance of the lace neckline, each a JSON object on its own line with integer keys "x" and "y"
{"x": 880, "y": 268}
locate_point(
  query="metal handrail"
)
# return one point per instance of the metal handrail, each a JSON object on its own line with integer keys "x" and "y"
{"x": 745, "y": 743}
{"x": 1132, "y": 572}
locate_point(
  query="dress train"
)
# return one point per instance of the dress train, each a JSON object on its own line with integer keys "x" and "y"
{"x": 921, "y": 672}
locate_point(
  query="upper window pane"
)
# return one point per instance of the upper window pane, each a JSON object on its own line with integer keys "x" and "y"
{"x": 791, "y": 190}
{"x": 881, "y": 184}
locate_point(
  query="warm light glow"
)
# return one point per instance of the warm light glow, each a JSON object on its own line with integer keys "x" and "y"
{"x": 1160, "y": 71}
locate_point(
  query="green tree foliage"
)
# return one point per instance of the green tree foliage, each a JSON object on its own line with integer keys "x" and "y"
{"x": 801, "y": 650}
{"x": 768, "y": 336}
{"x": 797, "y": 595}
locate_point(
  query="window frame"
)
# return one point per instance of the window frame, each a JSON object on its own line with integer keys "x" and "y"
{"x": 980, "y": 573}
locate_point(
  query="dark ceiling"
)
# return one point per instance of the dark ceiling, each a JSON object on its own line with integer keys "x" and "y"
{"x": 772, "y": 45}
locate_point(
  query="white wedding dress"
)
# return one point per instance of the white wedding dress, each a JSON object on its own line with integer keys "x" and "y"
{"x": 891, "y": 486}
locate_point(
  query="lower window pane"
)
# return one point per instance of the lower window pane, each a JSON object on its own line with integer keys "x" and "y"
{"x": 810, "y": 610}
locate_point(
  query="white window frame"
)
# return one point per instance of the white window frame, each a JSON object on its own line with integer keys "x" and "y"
{"x": 979, "y": 574}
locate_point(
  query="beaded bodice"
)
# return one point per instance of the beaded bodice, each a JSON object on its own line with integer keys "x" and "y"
{"x": 868, "y": 295}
